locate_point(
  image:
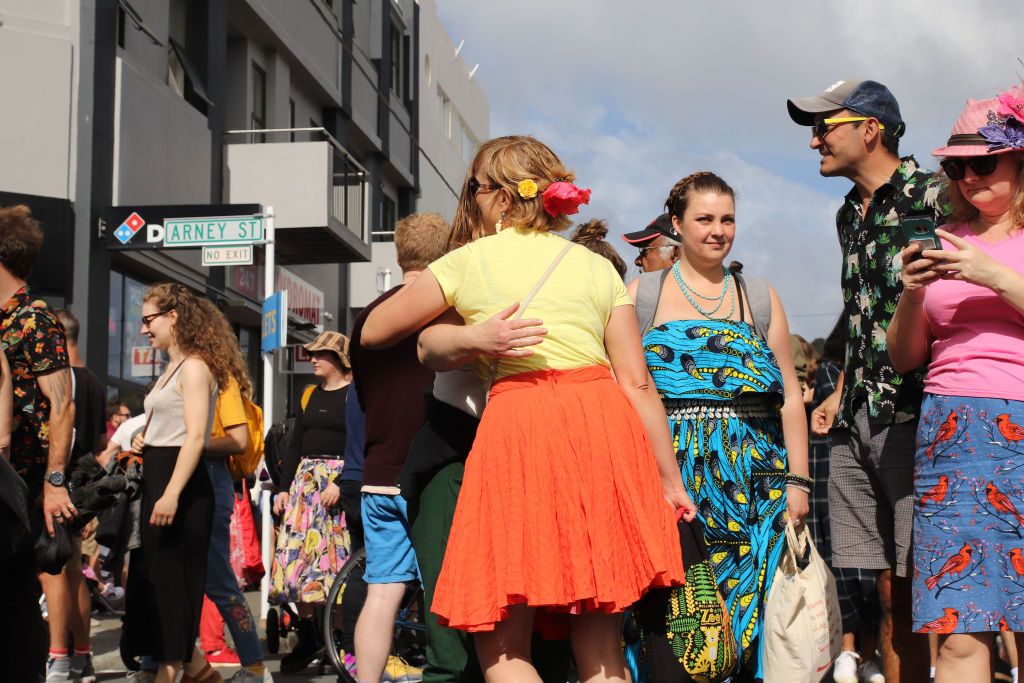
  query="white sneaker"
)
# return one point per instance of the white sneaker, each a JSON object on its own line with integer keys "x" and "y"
{"x": 58, "y": 669}
{"x": 845, "y": 668}
{"x": 871, "y": 673}
{"x": 82, "y": 670}
{"x": 245, "y": 676}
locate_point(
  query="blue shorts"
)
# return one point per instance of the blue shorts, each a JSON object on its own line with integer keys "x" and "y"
{"x": 389, "y": 554}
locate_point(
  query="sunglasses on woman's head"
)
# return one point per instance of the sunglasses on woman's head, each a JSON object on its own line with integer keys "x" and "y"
{"x": 956, "y": 167}
{"x": 474, "y": 186}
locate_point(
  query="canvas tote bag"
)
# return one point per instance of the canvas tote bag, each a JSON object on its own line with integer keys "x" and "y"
{"x": 803, "y": 627}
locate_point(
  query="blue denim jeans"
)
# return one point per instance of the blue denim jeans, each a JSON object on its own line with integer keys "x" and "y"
{"x": 221, "y": 584}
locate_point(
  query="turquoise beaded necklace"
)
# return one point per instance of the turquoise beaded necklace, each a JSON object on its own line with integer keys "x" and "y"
{"x": 727, "y": 288}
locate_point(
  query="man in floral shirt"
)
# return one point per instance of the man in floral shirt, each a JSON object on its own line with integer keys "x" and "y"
{"x": 33, "y": 339}
{"x": 856, "y": 127}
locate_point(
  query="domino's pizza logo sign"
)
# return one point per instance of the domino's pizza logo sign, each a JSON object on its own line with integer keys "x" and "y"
{"x": 127, "y": 230}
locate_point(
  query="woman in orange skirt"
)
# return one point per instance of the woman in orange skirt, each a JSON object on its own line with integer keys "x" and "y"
{"x": 567, "y": 507}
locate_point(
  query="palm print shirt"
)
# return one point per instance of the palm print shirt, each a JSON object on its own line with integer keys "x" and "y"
{"x": 33, "y": 339}
{"x": 872, "y": 283}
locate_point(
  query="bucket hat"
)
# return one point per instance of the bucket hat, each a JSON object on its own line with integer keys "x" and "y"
{"x": 992, "y": 126}
{"x": 335, "y": 342}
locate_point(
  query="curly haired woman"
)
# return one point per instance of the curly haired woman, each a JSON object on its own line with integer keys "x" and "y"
{"x": 167, "y": 574}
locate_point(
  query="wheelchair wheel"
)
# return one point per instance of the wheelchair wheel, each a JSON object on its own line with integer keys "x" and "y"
{"x": 273, "y": 631}
{"x": 409, "y": 638}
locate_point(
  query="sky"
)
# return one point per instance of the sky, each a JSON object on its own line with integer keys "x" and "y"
{"x": 635, "y": 95}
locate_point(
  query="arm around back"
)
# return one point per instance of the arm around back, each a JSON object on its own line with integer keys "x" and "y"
{"x": 412, "y": 308}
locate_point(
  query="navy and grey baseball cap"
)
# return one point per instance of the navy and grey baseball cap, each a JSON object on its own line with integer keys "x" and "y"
{"x": 659, "y": 227}
{"x": 867, "y": 98}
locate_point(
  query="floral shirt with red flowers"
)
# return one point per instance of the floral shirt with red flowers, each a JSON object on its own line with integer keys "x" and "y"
{"x": 33, "y": 338}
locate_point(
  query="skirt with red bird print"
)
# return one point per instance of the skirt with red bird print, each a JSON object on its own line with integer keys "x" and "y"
{"x": 969, "y": 516}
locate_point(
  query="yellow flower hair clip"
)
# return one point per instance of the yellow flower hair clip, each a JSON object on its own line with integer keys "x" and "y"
{"x": 527, "y": 189}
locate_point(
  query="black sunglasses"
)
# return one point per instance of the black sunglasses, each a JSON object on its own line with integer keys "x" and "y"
{"x": 474, "y": 186}
{"x": 147, "y": 319}
{"x": 956, "y": 167}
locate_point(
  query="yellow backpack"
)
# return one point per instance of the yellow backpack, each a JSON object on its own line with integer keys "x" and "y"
{"x": 243, "y": 464}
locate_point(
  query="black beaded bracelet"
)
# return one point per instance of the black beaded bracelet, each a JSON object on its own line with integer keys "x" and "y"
{"x": 797, "y": 479}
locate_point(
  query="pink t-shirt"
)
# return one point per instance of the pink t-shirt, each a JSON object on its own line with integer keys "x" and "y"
{"x": 979, "y": 338}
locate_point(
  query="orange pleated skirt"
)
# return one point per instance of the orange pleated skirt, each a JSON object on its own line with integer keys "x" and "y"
{"x": 561, "y": 506}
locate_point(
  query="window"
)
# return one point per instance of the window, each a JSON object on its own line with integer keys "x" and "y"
{"x": 122, "y": 19}
{"x": 291, "y": 119}
{"x": 126, "y": 11}
{"x": 468, "y": 145}
{"x": 407, "y": 69}
{"x": 258, "y": 119}
{"x": 442, "y": 106}
{"x": 397, "y": 67}
{"x": 184, "y": 76}
{"x": 388, "y": 215}
{"x": 130, "y": 357}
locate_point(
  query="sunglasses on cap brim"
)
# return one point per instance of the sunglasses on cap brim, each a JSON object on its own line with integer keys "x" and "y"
{"x": 955, "y": 168}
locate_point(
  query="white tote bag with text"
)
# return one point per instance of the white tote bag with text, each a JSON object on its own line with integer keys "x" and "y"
{"x": 802, "y": 624}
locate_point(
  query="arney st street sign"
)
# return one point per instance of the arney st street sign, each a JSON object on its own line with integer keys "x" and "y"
{"x": 139, "y": 228}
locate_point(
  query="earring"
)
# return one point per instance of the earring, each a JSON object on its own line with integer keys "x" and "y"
{"x": 499, "y": 225}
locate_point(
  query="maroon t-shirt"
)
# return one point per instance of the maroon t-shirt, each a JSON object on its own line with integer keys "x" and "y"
{"x": 391, "y": 385}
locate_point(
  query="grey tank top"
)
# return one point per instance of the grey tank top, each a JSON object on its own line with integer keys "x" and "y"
{"x": 166, "y": 407}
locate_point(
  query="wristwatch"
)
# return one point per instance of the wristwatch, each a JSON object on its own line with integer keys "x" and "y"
{"x": 55, "y": 478}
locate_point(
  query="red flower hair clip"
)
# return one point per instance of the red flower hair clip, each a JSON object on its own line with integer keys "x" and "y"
{"x": 564, "y": 198}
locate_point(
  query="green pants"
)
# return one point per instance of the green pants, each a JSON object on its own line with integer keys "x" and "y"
{"x": 451, "y": 656}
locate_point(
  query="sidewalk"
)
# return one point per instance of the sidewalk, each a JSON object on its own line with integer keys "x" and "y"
{"x": 109, "y": 667}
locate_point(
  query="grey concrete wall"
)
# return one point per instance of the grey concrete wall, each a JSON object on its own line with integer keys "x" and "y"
{"x": 39, "y": 78}
{"x": 143, "y": 54}
{"x": 291, "y": 177}
{"x": 468, "y": 101}
{"x": 161, "y": 143}
{"x": 309, "y": 35}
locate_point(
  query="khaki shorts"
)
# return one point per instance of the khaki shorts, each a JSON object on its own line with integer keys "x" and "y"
{"x": 871, "y": 494}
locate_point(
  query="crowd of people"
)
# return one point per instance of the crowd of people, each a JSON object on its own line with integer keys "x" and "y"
{"x": 522, "y": 432}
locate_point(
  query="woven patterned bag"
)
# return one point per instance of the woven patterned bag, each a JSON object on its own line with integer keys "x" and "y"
{"x": 687, "y": 630}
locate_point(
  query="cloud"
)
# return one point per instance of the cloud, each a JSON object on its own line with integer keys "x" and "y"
{"x": 634, "y": 96}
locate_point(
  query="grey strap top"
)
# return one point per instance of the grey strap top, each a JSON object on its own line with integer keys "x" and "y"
{"x": 166, "y": 405}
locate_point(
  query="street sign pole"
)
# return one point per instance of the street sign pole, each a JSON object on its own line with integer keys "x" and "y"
{"x": 268, "y": 415}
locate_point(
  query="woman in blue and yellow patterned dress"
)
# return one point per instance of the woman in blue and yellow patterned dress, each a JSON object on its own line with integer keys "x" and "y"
{"x": 734, "y": 406}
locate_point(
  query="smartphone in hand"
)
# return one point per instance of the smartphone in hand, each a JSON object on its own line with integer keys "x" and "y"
{"x": 922, "y": 231}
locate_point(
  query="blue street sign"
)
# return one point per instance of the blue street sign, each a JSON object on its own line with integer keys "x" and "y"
{"x": 275, "y": 321}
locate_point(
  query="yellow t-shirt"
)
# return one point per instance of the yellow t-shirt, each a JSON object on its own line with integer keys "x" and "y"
{"x": 486, "y": 276}
{"x": 230, "y": 410}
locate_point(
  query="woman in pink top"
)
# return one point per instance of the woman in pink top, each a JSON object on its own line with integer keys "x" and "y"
{"x": 963, "y": 307}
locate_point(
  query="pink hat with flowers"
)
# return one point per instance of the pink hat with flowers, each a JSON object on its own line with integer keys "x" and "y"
{"x": 991, "y": 126}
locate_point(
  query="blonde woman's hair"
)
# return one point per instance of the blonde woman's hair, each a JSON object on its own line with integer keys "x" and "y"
{"x": 963, "y": 211}
{"x": 504, "y": 162}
